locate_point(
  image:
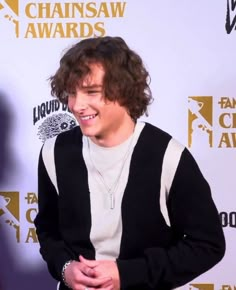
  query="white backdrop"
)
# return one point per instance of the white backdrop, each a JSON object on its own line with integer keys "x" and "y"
{"x": 190, "y": 56}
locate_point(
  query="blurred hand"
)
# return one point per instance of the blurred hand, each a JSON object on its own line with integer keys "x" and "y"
{"x": 104, "y": 268}
{"x": 79, "y": 276}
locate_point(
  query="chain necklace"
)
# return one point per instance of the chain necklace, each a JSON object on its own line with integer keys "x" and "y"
{"x": 112, "y": 189}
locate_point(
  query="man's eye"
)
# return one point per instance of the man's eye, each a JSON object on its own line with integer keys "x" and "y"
{"x": 93, "y": 92}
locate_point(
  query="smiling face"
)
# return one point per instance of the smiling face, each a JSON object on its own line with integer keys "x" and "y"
{"x": 106, "y": 122}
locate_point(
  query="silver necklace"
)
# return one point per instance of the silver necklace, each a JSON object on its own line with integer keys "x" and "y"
{"x": 112, "y": 189}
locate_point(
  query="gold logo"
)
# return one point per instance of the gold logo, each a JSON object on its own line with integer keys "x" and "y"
{"x": 10, "y": 205}
{"x": 14, "y": 5}
{"x": 210, "y": 286}
{"x": 212, "y": 121}
{"x": 60, "y": 20}
{"x": 200, "y": 119}
{"x": 228, "y": 287}
{"x": 9, "y": 211}
{"x": 8, "y": 7}
{"x": 201, "y": 286}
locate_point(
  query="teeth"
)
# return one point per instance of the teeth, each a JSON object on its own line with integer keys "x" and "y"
{"x": 88, "y": 117}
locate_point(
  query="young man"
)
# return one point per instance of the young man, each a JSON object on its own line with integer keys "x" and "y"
{"x": 102, "y": 220}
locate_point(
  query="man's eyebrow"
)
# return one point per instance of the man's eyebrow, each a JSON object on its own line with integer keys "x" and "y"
{"x": 92, "y": 86}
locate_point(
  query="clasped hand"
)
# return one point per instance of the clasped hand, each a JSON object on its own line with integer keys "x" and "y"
{"x": 92, "y": 274}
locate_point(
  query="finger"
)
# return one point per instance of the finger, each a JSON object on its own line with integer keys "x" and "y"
{"x": 94, "y": 282}
{"x": 89, "y": 263}
{"x": 107, "y": 285}
{"x": 87, "y": 270}
{"x": 111, "y": 287}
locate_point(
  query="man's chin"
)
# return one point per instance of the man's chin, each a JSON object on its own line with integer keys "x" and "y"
{"x": 87, "y": 133}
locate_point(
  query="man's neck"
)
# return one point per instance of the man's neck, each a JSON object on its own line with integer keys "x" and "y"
{"x": 118, "y": 136}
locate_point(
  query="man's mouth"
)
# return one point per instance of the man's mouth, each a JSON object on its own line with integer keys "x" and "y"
{"x": 89, "y": 117}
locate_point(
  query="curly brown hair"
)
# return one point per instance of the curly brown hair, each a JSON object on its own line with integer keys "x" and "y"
{"x": 126, "y": 80}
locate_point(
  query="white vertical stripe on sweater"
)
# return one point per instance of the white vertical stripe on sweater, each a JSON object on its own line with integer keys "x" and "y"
{"x": 169, "y": 166}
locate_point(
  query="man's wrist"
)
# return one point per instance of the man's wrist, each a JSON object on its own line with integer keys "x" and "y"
{"x": 63, "y": 272}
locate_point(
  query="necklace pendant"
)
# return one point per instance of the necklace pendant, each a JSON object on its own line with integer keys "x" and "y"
{"x": 112, "y": 201}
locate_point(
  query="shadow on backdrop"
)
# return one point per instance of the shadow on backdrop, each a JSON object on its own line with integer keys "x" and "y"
{"x": 6, "y": 119}
{"x": 11, "y": 276}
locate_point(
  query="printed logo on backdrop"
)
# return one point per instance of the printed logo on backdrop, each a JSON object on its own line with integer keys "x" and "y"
{"x": 210, "y": 286}
{"x": 212, "y": 121}
{"x": 197, "y": 286}
{"x": 228, "y": 219}
{"x": 9, "y": 11}
{"x": 200, "y": 119}
{"x": 70, "y": 19}
{"x": 230, "y": 24}
{"x": 51, "y": 118}
{"x": 10, "y": 205}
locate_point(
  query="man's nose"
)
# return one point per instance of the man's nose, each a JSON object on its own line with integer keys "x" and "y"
{"x": 80, "y": 102}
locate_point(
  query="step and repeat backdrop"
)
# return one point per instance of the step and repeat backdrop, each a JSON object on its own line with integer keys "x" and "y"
{"x": 188, "y": 48}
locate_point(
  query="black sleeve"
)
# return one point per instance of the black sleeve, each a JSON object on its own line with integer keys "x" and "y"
{"x": 201, "y": 244}
{"x": 52, "y": 247}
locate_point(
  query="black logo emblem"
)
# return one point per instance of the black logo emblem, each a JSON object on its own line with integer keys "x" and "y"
{"x": 230, "y": 21}
{"x": 54, "y": 125}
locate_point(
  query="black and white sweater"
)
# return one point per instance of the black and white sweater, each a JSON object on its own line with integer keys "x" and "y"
{"x": 152, "y": 254}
